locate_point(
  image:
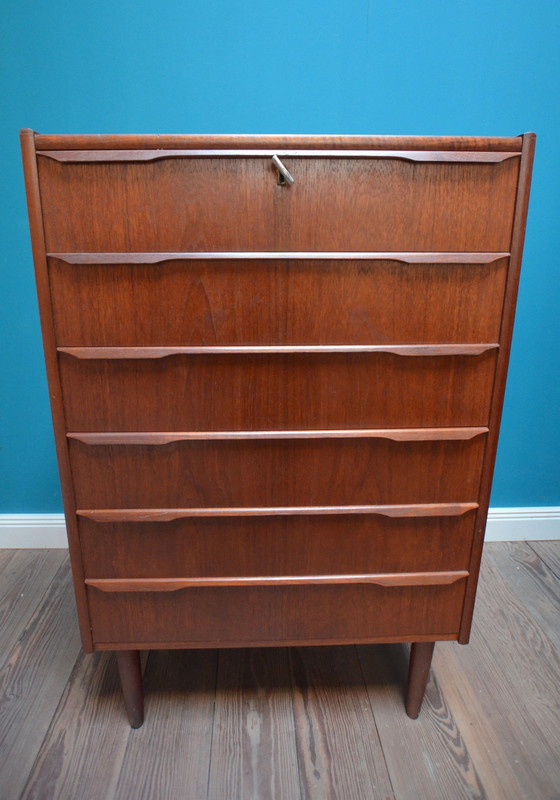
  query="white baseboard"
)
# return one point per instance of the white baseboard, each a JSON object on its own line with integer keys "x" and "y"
{"x": 504, "y": 525}
{"x": 32, "y": 530}
{"x": 531, "y": 524}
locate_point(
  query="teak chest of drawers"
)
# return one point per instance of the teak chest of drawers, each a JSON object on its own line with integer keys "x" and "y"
{"x": 276, "y": 404}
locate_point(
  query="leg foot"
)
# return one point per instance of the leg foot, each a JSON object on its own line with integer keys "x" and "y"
{"x": 130, "y": 672}
{"x": 418, "y": 673}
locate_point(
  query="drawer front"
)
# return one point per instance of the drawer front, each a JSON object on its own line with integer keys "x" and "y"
{"x": 316, "y": 472}
{"x": 271, "y": 301}
{"x": 276, "y": 546}
{"x": 244, "y": 615}
{"x": 234, "y": 203}
{"x": 276, "y": 392}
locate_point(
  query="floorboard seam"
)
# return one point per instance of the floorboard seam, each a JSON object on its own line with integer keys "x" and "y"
{"x": 374, "y": 720}
{"x": 32, "y": 612}
{"x": 516, "y": 598}
{"x": 302, "y": 793}
{"x": 512, "y": 751}
{"x": 547, "y": 564}
{"x": 63, "y": 565}
{"x": 213, "y": 724}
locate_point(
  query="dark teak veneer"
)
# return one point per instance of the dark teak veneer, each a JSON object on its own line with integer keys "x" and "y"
{"x": 276, "y": 405}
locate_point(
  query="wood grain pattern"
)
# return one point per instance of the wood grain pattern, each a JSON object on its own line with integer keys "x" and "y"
{"x": 253, "y": 745}
{"x": 5, "y": 557}
{"x": 238, "y": 615}
{"x": 235, "y": 141}
{"x": 276, "y": 473}
{"x": 24, "y": 578}
{"x": 242, "y": 302}
{"x": 230, "y": 356}
{"x": 505, "y": 676}
{"x": 280, "y": 391}
{"x": 501, "y": 757}
{"x": 226, "y": 546}
{"x": 438, "y": 763}
{"x": 32, "y": 680}
{"x": 528, "y": 575}
{"x": 339, "y": 747}
{"x": 83, "y": 749}
{"x": 89, "y": 752}
{"x": 225, "y": 203}
{"x": 549, "y": 552}
{"x": 477, "y": 735}
{"x": 528, "y": 678}
{"x": 180, "y": 697}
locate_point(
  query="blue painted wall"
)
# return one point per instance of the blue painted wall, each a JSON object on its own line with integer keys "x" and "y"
{"x": 301, "y": 66}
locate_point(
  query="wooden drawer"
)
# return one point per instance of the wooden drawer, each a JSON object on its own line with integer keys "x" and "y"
{"x": 281, "y": 545}
{"x": 287, "y": 614}
{"x": 276, "y": 391}
{"x": 276, "y": 301}
{"x": 233, "y": 203}
{"x": 275, "y": 472}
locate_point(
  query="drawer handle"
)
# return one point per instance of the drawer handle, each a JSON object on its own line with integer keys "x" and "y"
{"x": 156, "y": 154}
{"x": 284, "y": 175}
{"x": 172, "y": 514}
{"x": 392, "y": 434}
{"x": 421, "y": 350}
{"x": 175, "y": 584}
{"x": 92, "y": 259}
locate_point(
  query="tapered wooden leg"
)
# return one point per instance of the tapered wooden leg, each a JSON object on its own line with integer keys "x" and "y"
{"x": 418, "y": 673}
{"x": 130, "y": 672}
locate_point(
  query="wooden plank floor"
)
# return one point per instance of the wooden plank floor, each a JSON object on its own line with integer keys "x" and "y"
{"x": 292, "y": 724}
